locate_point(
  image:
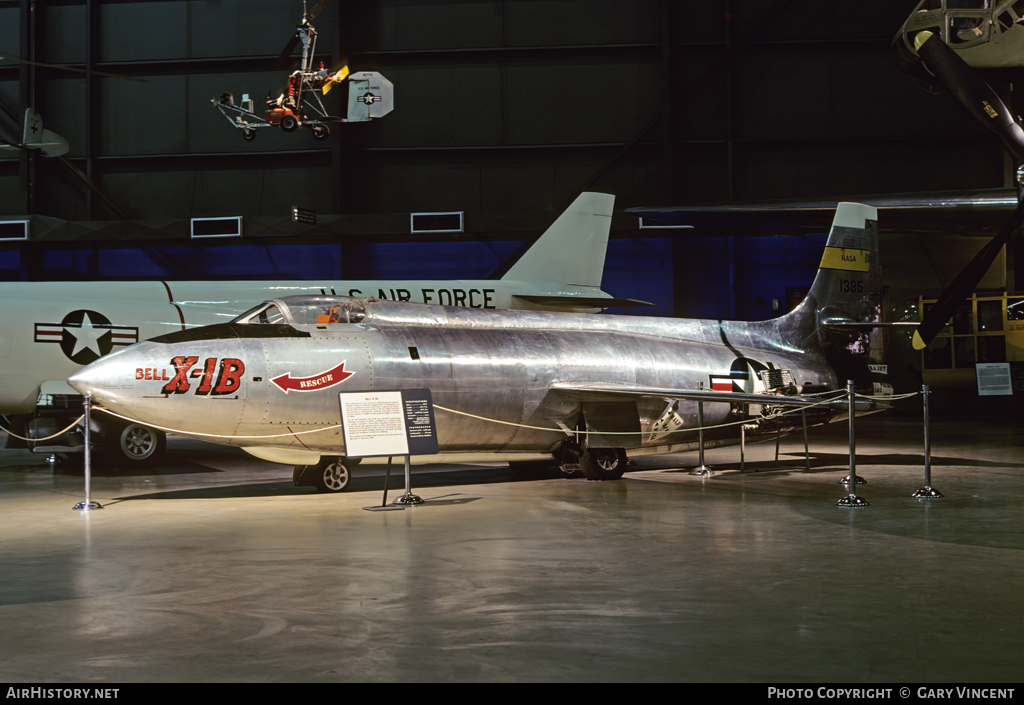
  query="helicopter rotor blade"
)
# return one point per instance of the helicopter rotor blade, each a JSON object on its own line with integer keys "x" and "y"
{"x": 318, "y": 8}
{"x": 971, "y": 91}
{"x": 70, "y": 68}
{"x": 289, "y": 48}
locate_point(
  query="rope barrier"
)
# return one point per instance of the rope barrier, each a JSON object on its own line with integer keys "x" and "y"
{"x": 36, "y": 440}
{"x": 768, "y": 401}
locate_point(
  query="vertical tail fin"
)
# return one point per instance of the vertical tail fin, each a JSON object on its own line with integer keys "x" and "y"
{"x": 572, "y": 250}
{"x": 847, "y": 289}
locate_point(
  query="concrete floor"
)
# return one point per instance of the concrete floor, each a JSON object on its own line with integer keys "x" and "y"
{"x": 214, "y": 568}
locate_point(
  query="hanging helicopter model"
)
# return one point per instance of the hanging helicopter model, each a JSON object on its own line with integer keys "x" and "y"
{"x": 370, "y": 96}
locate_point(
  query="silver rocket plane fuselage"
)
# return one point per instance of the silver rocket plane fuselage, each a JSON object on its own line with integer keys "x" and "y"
{"x": 495, "y": 377}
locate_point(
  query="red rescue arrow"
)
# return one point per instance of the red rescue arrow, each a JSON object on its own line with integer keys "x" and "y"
{"x": 324, "y": 380}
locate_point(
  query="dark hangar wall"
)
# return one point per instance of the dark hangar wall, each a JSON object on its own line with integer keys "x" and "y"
{"x": 504, "y": 109}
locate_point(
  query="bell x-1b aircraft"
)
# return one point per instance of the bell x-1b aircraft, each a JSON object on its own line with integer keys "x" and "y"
{"x": 519, "y": 386}
{"x": 50, "y": 329}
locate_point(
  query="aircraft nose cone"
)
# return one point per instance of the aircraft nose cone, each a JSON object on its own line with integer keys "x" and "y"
{"x": 196, "y": 387}
{"x": 99, "y": 379}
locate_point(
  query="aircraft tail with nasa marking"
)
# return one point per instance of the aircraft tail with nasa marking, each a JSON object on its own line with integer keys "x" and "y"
{"x": 843, "y": 307}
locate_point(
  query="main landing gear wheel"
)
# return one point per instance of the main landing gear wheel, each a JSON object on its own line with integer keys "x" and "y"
{"x": 603, "y": 463}
{"x": 249, "y": 135}
{"x": 321, "y": 132}
{"x": 289, "y": 123}
{"x": 139, "y": 444}
{"x": 331, "y": 475}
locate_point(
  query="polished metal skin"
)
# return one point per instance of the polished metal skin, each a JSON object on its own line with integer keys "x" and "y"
{"x": 514, "y": 385}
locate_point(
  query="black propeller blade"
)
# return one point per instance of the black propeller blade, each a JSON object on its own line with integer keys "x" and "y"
{"x": 971, "y": 91}
{"x": 965, "y": 282}
{"x": 978, "y": 98}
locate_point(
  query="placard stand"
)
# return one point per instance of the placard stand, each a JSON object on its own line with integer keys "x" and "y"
{"x": 384, "y": 502}
{"x": 389, "y": 423}
{"x": 408, "y": 498}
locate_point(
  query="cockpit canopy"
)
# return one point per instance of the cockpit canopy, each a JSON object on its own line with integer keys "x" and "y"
{"x": 306, "y": 311}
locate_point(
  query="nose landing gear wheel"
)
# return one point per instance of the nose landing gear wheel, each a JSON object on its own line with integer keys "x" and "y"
{"x": 321, "y": 132}
{"x": 249, "y": 135}
{"x": 138, "y": 444}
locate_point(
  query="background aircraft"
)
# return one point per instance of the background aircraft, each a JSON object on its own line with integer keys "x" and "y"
{"x": 521, "y": 386}
{"x": 35, "y": 136}
{"x": 50, "y": 329}
{"x": 987, "y": 34}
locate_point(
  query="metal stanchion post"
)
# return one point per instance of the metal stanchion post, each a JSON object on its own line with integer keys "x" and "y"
{"x": 852, "y": 500}
{"x": 853, "y": 460}
{"x": 701, "y": 469}
{"x": 927, "y": 492}
{"x": 743, "y": 444}
{"x": 408, "y": 497}
{"x": 807, "y": 452}
{"x": 88, "y": 505}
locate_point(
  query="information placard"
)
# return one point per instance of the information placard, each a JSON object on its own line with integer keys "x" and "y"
{"x": 994, "y": 378}
{"x": 386, "y": 423}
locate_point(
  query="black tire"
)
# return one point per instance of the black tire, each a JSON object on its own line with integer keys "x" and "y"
{"x": 332, "y": 475}
{"x": 321, "y": 132}
{"x": 289, "y": 123}
{"x": 603, "y": 463}
{"x": 249, "y": 135}
{"x": 137, "y": 444}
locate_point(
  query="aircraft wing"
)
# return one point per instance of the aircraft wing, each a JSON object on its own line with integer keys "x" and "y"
{"x": 603, "y": 392}
{"x": 979, "y": 212}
